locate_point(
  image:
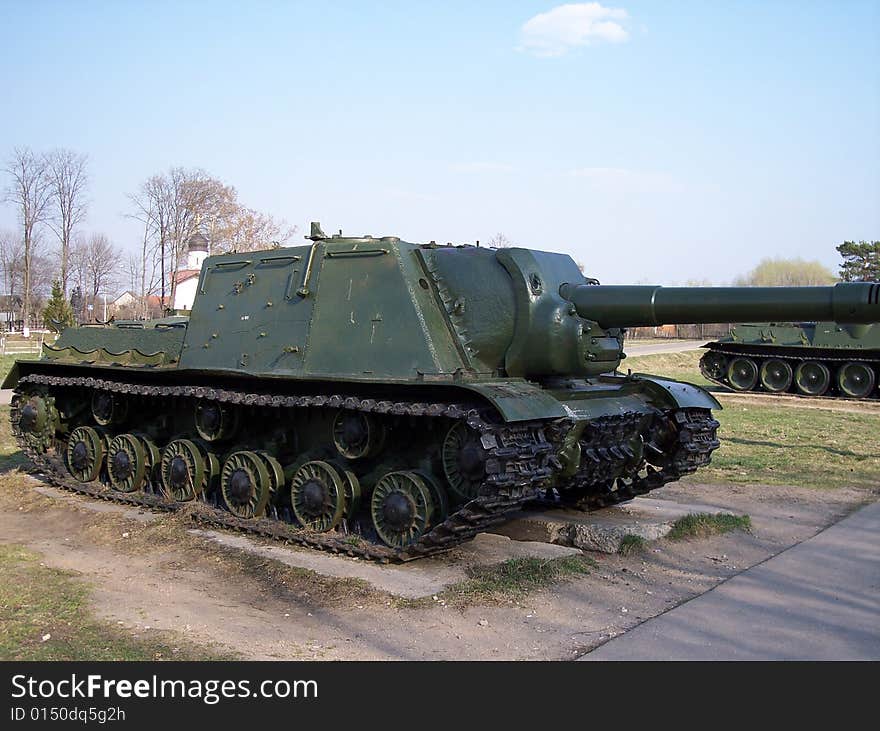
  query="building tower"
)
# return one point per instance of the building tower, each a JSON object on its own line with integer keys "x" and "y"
{"x": 196, "y": 251}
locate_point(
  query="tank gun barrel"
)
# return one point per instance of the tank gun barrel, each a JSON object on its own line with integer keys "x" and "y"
{"x": 638, "y": 306}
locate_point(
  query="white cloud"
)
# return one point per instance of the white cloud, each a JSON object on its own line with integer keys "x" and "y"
{"x": 568, "y": 26}
{"x": 481, "y": 167}
{"x": 626, "y": 180}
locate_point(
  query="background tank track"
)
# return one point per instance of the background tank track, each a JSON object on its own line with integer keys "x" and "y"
{"x": 518, "y": 466}
{"x": 831, "y": 358}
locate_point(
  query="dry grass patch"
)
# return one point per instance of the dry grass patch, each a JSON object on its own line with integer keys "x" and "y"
{"x": 514, "y": 579}
{"x": 44, "y": 615}
{"x": 632, "y": 544}
{"x": 702, "y": 525}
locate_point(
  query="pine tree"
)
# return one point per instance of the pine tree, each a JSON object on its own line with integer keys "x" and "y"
{"x": 57, "y": 313}
{"x": 861, "y": 261}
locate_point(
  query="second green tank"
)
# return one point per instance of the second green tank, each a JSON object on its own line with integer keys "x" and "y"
{"x": 808, "y": 359}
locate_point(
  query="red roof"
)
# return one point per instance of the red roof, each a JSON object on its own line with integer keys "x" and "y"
{"x": 185, "y": 274}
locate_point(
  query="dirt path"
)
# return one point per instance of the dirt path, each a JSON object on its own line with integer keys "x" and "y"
{"x": 144, "y": 579}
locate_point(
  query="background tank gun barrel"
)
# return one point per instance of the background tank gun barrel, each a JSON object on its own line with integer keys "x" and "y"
{"x": 639, "y": 306}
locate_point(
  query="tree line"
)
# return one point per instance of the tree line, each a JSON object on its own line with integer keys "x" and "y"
{"x": 49, "y": 193}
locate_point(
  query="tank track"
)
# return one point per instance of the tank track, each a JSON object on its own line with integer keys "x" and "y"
{"x": 696, "y": 440}
{"x": 516, "y": 465}
{"x": 519, "y": 462}
{"x": 757, "y": 353}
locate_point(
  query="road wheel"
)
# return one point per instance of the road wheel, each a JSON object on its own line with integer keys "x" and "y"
{"x": 812, "y": 378}
{"x": 856, "y": 380}
{"x": 742, "y": 374}
{"x": 776, "y": 376}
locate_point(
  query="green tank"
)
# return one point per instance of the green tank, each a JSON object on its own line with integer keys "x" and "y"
{"x": 380, "y": 398}
{"x": 808, "y": 359}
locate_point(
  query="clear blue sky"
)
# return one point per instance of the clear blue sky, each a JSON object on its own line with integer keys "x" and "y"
{"x": 656, "y": 141}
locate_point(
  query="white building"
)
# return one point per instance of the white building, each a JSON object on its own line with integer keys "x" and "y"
{"x": 187, "y": 279}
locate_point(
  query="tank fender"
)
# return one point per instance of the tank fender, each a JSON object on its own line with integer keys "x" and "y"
{"x": 11, "y": 380}
{"x": 677, "y": 394}
{"x": 518, "y": 400}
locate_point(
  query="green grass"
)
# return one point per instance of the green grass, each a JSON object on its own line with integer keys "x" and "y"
{"x": 10, "y": 455}
{"x": 661, "y": 341}
{"x": 678, "y": 366}
{"x": 781, "y": 444}
{"x": 515, "y": 578}
{"x": 701, "y": 525}
{"x": 632, "y": 544}
{"x": 6, "y": 362}
{"x": 787, "y": 445}
{"x": 36, "y": 601}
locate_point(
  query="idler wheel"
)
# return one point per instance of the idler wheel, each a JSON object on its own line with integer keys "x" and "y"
{"x": 127, "y": 463}
{"x": 401, "y": 508}
{"x": 464, "y": 461}
{"x": 742, "y": 374}
{"x": 357, "y": 435}
{"x": 108, "y": 408}
{"x": 317, "y": 496}
{"x": 714, "y": 365}
{"x": 856, "y": 380}
{"x": 186, "y": 470}
{"x": 776, "y": 376}
{"x": 812, "y": 378}
{"x": 32, "y": 416}
{"x": 215, "y": 421}
{"x": 245, "y": 484}
{"x": 85, "y": 453}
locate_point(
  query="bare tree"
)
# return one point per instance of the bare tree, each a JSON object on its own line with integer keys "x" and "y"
{"x": 67, "y": 178}
{"x": 172, "y": 207}
{"x": 12, "y": 265}
{"x": 31, "y": 194}
{"x": 177, "y": 204}
{"x": 94, "y": 268}
{"x": 78, "y": 276}
{"x": 500, "y": 241}
{"x": 43, "y": 271}
{"x": 248, "y": 230}
{"x": 149, "y": 264}
{"x": 102, "y": 266}
{"x": 135, "y": 275}
{"x": 11, "y": 262}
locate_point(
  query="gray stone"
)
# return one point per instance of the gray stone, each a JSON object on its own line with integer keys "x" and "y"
{"x": 602, "y": 530}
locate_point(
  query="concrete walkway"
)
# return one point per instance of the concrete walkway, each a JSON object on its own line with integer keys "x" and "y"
{"x": 818, "y": 600}
{"x": 632, "y": 348}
